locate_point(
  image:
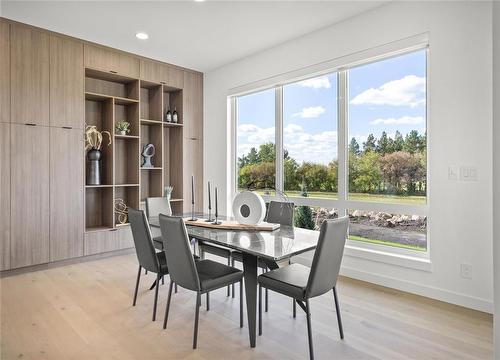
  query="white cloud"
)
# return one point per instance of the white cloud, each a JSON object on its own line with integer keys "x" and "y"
{"x": 317, "y": 83}
{"x": 408, "y": 91}
{"x": 301, "y": 146}
{"x": 310, "y": 112}
{"x": 404, "y": 120}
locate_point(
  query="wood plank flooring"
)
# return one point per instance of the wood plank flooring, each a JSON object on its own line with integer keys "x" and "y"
{"x": 84, "y": 311}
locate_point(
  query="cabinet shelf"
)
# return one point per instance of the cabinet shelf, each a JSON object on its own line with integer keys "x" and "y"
{"x": 103, "y": 97}
{"x": 126, "y": 136}
{"x": 97, "y": 228}
{"x": 108, "y": 76}
{"x": 167, "y": 124}
{"x": 97, "y": 186}
{"x": 126, "y": 185}
{"x": 151, "y": 168}
{"x": 151, "y": 122}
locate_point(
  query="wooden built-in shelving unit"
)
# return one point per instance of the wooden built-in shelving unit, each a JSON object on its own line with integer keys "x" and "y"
{"x": 110, "y": 98}
{"x": 51, "y": 86}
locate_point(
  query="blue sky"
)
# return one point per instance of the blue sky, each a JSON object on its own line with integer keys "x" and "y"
{"x": 388, "y": 95}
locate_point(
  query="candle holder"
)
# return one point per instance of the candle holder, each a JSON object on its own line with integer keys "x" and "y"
{"x": 209, "y": 205}
{"x": 193, "y": 218}
{"x": 216, "y": 221}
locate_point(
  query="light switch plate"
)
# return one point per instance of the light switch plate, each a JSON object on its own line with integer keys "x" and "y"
{"x": 452, "y": 173}
{"x": 468, "y": 173}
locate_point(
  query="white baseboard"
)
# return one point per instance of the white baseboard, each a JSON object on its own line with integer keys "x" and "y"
{"x": 423, "y": 290}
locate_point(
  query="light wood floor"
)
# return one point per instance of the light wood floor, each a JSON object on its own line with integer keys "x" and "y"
{"x": 84, "y": 311}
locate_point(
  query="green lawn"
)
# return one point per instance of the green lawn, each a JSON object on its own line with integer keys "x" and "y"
{"x": 389, "y": 199}
{"x": 387, "y": 243}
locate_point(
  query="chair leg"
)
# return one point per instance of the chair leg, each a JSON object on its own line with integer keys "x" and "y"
{"x": 175, "y": 285}
{"x": 337, "y": 310}
{"x": 294, "y": 308}
{"x": 156, "y": 295}
{"x": 266, "y": 300}
{"x": 167, "y": 309}
{"x": 309, "y": 330}
{"x": 229, "y": 286}
{"x": 196, "y": 316}
{"x": 162, "y": 280}
{"x": 260, "y": 310}
{"x": 145, "y": 272}
{"x": 208, "y": 301}
{"x": 241, "y": 303}
{"x": 232, "y": 286}
{"x": 137, "y": 285}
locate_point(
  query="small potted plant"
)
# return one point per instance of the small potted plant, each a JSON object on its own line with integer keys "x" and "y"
{"x": 122, "y": 127}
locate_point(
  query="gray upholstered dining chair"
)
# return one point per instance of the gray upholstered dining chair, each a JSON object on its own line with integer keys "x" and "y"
{"x": 303, "y": 283}
{"x": 147, "y": 256}
{"x": 201, "y": 276}
{"x": 154, "y": 207}
{"x": 277, "y": 213}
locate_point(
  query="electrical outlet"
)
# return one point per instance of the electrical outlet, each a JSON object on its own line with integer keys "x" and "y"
{"x": 452, "y": 173}
{"x": 466, "y": 271}
{"x": 468, "y": 173}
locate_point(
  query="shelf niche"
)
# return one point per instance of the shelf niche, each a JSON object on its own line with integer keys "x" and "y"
{"x": 98, "y": 208}
{"x": 99, "y": 112}
{"x": 129, "y": 113}
{"x": 151, "y": 101}
{"x": 130, "y": 195}
{"x": 151, "y": 178}
{"x": 126, "y": 160}
{"x": 172, "y": 159}
{"x": 105, "y": 83}
{"x": 173, "y": 98}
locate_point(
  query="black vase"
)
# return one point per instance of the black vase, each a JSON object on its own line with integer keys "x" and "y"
{"x": 94, "y": 167}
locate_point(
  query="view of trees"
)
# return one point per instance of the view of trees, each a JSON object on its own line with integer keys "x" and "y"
{"x": 380, "y": 166}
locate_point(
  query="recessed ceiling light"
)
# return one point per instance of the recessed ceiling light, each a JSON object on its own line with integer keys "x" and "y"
{"x": 199, "y": 0}
{"x": 142, "y": 36}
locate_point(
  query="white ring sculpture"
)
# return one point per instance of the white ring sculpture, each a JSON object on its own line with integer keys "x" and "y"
{"x": 249, "y": 208}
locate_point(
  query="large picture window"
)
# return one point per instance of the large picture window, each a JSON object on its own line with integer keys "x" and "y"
{"x": 353, "y": 140}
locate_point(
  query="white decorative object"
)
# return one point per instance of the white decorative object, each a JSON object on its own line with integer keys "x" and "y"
{"x": 249, "y": 208}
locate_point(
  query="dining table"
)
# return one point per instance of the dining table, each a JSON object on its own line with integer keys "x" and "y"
{"x": 275, "y": 248}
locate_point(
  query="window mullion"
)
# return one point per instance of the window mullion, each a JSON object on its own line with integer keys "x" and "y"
{"x": 279, "y": 138}
{"x": 342, "y": 129}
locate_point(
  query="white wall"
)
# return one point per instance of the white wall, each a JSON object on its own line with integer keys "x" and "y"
{"x": 460, "y": 123}
{"x": 496, "y": 170}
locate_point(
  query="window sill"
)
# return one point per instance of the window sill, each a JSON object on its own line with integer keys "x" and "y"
{"x": 412, "y": 261}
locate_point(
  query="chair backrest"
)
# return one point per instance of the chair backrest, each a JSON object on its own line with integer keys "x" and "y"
{"x": 144, "y": 248}
{"x": 181, "y": 266}
{"x": 156, "y": 206}
{"x": 327, "y": 256}
{"x": 280, "y": 213}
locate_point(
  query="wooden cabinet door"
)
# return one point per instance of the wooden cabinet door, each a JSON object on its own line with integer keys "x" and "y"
{"x": 4, "y": 72}
{"x": 158, "y": 72}
{"x": 175, "y": 77}
{"x": 97, "y": 57}
{"x": 193, "y": 166}
{"x": 29, "y": 76}
{"x": 125, "y": 239}
{"x": 193, "y": 105}
{"x": 66, "y": 193}
{"x": 97, "y": 242}
{"x": 4, "y": 196}
{"x": 29, "y": 195}
{"x": 153, "y": 71}
{"x": 66, "y": 83}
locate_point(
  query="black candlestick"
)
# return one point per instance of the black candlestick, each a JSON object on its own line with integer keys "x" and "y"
{"x": 193, "y": 218}
{"x": 216, "y": 222}
{"x": 209, "y": 205}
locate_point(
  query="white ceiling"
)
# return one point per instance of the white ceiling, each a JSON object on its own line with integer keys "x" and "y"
{"x": 197, "y": 35}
